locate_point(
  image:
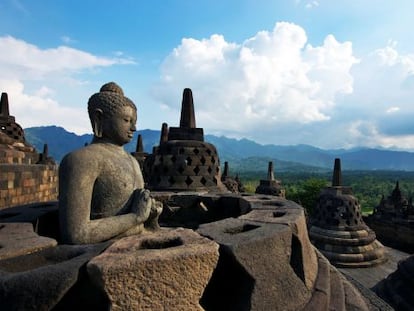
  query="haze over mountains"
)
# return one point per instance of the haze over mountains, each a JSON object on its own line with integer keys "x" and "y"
{"x": 244, "y": 154}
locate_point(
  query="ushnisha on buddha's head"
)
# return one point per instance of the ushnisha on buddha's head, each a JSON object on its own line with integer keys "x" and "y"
{"x": 113, "y": 116}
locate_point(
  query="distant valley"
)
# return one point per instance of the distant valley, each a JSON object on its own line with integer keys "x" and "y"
{"x": 243, "y": 155}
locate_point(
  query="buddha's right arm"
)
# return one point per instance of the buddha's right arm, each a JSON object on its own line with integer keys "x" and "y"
{"x": 76, "y": 180}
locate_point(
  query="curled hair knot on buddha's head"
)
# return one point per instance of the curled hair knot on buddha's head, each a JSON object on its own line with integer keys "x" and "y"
{"x": 109, "y": 101}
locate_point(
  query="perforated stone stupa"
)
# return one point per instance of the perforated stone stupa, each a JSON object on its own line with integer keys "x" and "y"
{"x": 338, "y": 230}
{"x": 184, "y": 161}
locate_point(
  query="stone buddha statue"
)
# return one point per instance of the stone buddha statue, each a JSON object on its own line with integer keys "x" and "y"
{"x": 101, "y": 188}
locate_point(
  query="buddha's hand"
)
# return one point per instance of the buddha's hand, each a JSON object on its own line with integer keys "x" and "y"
{"x": 142, "y": 204}
{"x": 156, "y": 210}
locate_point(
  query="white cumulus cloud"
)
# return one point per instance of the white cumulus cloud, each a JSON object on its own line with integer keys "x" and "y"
{"x": 270, "y": 80}
{"x": 39, "y": 81}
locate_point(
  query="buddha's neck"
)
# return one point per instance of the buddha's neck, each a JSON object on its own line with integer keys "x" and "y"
{"x": 102, "y": 140}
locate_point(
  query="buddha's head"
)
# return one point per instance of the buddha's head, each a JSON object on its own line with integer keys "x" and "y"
{"x": 113, "y": 116}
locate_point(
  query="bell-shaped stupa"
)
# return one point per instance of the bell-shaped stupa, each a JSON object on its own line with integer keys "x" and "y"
{"x": 338, "y": 230}
{"x": 184, "y": 161}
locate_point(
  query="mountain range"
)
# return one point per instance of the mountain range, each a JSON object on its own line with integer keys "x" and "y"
{"x": 243, "y": 154}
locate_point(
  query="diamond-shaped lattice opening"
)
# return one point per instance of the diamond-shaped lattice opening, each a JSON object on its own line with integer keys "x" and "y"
{"x": 173, "y": 159}
{"x": 215, "y": 180}
{"x": 203, "y": 181}
{"x": 188, "y": 181}
{"x": 209, "y": 170}
{"x": 158, "y": 179}
{"x": 181, "y": 151}
{"x": 217, "y": 170}
{"x": 165, "y": 169}
{"x": 196, "y": 151}
{"x": 213, "y": 160}
{"x": 169, "y": 149}
{"x": 209, "y": 152}
{"x": 188, "y": 160}
{"x": 181, "y": 169}
{"x": 161, "y": 159}
{"x": 196, "y": 170}
{"x": 171, "y": 180}
{"x": 203, "y": 160}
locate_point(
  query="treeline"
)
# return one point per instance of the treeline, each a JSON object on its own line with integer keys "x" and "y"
{"x": 368, "y": 186}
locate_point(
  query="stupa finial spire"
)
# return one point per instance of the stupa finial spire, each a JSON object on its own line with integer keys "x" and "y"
{"x": 270, "y": 174}
{"x": 226, "y": 169}
{"x": 164, "y": 133}
{"x": 4, "y": 105}
{"x": 140, "y": 145}
{"x": 337, "y": 174}
{"x": 187, "y": 110}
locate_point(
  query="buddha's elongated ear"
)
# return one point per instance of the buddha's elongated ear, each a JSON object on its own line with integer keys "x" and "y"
{"x": 97, "y": 122}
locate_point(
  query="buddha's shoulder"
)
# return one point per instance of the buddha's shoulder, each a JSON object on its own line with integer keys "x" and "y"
{"x": 88, "y": 155}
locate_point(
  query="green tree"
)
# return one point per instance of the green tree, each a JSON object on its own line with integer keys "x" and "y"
{"x": 307, "y": 193}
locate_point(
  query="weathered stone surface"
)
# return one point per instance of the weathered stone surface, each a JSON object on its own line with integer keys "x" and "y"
{"x": 333, "y": 292}
{"x": 303, "y": 254}
{"x": 255, "y": 269}
{"x": 40, "y": 280}
{"x": 397, "y": 288}
{"x": 43, "y": 216}
{"x": 165, "y": 270}
{"x": 18, "y": 239}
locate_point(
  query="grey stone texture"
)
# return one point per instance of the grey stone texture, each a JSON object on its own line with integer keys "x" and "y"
{"x": 163, "y": 270}
{"x": 397, "y": 288}
{"x": 40, "y": 281}
{"x": 253, "y": 258}
{"x": 19, "y": 239}
{"x": 303, "y": 256}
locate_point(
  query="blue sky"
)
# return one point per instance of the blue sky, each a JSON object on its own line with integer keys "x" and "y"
{"x": 334, "y": 74}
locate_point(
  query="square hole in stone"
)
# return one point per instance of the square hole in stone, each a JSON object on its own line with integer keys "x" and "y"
{"x": 241, "y": 229}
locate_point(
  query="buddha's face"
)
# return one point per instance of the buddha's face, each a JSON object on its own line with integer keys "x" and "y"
{"x": 120, "y": 127}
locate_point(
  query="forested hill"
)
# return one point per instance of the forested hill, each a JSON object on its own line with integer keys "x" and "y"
{"x": 244, "y": 154}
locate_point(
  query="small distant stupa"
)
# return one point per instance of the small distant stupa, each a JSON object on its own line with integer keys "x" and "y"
{"x": 139, "y": 153}
{"x": 8, "y": 123}
{"x": 393, "y": 220}
{"x": 270, "y": 186}
{"x": 183, "y": 161}
{"x": 232, "y": 184}
{"x": 338, "y": 230}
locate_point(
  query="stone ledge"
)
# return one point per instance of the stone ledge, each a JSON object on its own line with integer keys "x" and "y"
{"x": 19, "y": 239}
{"x": 163, "y": 270}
